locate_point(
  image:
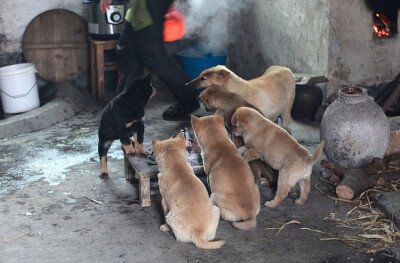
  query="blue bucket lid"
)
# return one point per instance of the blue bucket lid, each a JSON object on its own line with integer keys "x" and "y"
{"x": 197, "y": 52}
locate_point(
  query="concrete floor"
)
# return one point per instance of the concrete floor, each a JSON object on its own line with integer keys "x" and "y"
{"x": 48, "y": 177}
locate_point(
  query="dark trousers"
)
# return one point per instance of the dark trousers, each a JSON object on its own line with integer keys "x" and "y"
{"x": 145, "y": 48}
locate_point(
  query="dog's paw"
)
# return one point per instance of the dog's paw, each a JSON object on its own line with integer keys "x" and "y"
{"x": 165, "y": 228}
{"x": 104, "y": 176}
{"x": 130, "y": 154}
{"x": 141, "y": 153}
{"x": 299, "y": 201}
{"x": 242, "y": 149}
{"x": 265, "y": 182}
{"x": 270, "y": 204}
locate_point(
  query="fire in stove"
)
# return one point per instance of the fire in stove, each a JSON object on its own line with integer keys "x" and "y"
{"x": 385, "y": 15}
{"x": 384, "y": 26}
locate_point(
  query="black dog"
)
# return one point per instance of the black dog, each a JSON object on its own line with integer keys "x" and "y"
{"x": 122, "y": 118}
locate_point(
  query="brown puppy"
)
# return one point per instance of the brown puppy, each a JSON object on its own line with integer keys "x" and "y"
{"x": 229, "y": 176}
{"x": 264, "y": 139}
{"x": 272, "y": 93}
{"x": 188, "y": 210}
{"x": 217, "y": 98}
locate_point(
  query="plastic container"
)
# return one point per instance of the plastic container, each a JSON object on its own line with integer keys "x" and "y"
{"x": 195, "y": 60}
{"x": 18, "y": 88}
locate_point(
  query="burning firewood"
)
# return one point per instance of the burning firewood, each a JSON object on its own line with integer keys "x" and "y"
{"x": 354, "y": 181}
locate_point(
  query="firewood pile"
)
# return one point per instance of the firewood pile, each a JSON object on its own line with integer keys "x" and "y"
{"x": 373, "y": 228}
{"x": 380, "y": 172}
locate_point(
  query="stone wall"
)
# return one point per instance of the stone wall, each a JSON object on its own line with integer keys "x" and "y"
{"x": 355, "y": 56}
{"x": 289, "y": 33}
{"x": 330, "y": 37}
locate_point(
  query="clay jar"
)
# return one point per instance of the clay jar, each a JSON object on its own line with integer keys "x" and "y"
{"x": 354, "y": 128}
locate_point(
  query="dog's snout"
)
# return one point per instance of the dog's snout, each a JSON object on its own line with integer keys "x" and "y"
{"x": 190, "y": 83}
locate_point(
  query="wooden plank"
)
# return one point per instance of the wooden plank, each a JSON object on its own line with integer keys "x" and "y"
{"x": 144, "y": 169}
{"x": 144, "y": 191}
{"x": 56, "y": 42}
{"x": 309, "y": 79}
{"x": 147, "y": 168}
{"x": 129, "y": 172}
{"x": 93, "y": 73}
{"x": 55, "y": 45}
{"x": 100, "y": 72}
{"x": 393, "y": 98}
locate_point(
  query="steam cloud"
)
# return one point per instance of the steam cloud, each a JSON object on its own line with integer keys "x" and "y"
{"x": 207, "y": 21}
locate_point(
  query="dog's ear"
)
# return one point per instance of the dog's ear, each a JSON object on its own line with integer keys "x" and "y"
{"x": 154, "y": 142}
{"x": 194, "y": 119}
{"x": 202, "y": 95}
{"x": 180, "y": 139}
{"x": 219, "y": 113}
{"x": 147, "y": 78}
{"x": 180, "y": 136}
{"x": 233, "y": 120}
{"x": 224, "y": 73}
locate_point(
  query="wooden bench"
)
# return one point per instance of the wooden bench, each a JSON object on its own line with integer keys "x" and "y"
{"x": 143, "y": 169}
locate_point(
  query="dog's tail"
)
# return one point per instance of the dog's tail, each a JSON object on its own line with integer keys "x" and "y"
{"x": 250, "y": 223}
{"x": 202, "y": 243}
{"x": 317, "y": 153}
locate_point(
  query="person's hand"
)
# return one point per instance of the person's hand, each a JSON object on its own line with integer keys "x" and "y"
{"x": 104, "y": 5}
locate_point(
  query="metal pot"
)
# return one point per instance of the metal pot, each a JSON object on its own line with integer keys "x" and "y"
{"x": 306, "y": 102}
{"x": 109, "y": 25}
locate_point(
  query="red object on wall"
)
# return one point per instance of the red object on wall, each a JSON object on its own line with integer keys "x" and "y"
{"x": 174, "y": 25}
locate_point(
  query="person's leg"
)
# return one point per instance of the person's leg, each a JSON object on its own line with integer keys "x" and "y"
{"x": 155, "y": 57}
{"x": 130, "y": 67}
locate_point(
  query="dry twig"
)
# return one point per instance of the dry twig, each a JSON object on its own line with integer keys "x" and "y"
{"x": 283, "y": 226}
{"x": 94, "y": 201}
{"x": 373, "y": 230}
{"x": 14, "y": 238}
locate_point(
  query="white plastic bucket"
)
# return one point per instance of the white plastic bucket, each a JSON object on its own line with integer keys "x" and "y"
{"x": 18, "y": 88}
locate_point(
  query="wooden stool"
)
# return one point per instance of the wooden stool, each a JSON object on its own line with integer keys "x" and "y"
{"x": 98, "y": 66}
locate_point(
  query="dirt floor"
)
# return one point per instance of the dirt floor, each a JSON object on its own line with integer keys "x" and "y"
{"x": 55, "y": 208}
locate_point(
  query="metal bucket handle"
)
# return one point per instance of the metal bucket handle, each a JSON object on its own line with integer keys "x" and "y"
{"x": 20, "y": 95}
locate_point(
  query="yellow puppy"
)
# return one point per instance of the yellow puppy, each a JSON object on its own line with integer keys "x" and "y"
{"x": 272, "y": 93}
{"x": 264, "y": 139}
{"x": 230, "y": 178}
{"x": 188, "y": 210}
{"x": 216, "y": 97}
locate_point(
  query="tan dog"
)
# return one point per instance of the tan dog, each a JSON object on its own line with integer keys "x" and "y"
{"x": 188, "y": 210}
{"x": 217, "y": 98}
{"x": 229, "y": 176}
{"x": 278, "y": 149}
{"x": 272, "y": 93}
